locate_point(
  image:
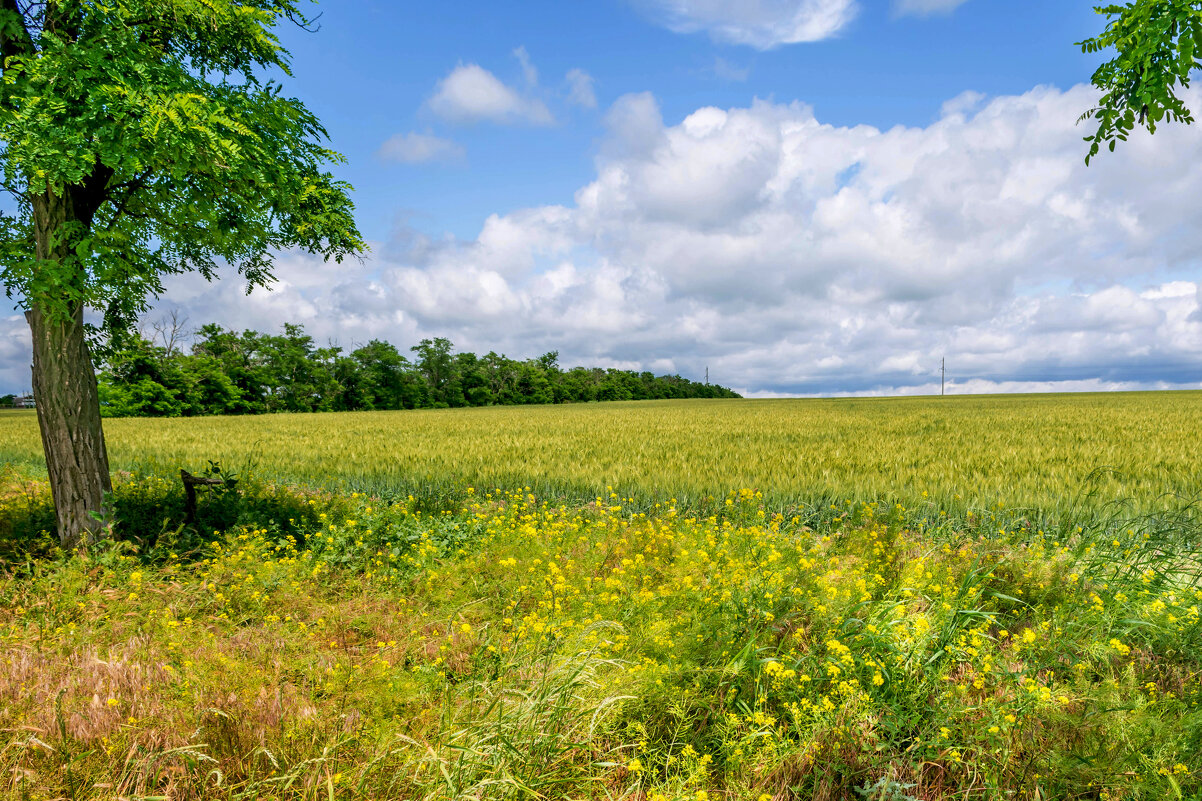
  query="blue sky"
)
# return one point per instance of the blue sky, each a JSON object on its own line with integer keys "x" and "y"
{"x": 808, "y": 197}
{"x": 374, "y": 64}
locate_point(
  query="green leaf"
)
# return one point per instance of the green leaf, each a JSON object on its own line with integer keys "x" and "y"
{"x": 1155, "y": 42}
{"x": 158, "y": 121}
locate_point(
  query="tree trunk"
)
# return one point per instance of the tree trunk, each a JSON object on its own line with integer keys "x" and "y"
{"x": 64, "y": 389}
{"x": 64, "y": 378}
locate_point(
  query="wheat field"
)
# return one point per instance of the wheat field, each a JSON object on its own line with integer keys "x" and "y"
{"x": 1053, "y": 452}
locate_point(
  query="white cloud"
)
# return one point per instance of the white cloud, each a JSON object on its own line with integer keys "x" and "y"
{"x": 471, "y": 93}
{"x": 763, "y": 24}
{"x": 797, "y": 257}
{"x": 16, "y": 349}
{"x": 635, "y": 125}
{"x": 529, "y": 71}
{"x": 416, "y": 148}
{"x": 964, "y": 103}
{"x": 794, "y": 256}
{"x": 580, "y": 88}
{"x": 925, "y": 7}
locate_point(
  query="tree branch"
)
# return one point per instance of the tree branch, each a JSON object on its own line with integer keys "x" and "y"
{"x": 14, "y": 36}
{"x": 131, "y": 188}
{"x": 63, "y": 19}
{"x": 304, "y": 23}
{"x": 133, "y": 183}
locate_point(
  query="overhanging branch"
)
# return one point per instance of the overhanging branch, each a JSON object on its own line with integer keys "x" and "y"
{"x": 14, "y": 36}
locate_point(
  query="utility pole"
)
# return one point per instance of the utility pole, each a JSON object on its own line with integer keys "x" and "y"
{"x": 942, "y": 375}
{"x": 707, "y": 375}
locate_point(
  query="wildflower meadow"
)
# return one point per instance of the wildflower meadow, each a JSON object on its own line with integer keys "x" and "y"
{"x": 307, "y": 642}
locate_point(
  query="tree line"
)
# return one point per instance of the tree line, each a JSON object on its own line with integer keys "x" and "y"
{"x": 226, "y": 372}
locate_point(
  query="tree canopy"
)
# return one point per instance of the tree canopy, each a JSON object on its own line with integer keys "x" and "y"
{"x": 159, "y": 127}
{"x": 1158, "y": 44}
{"x": 227, "y": 372}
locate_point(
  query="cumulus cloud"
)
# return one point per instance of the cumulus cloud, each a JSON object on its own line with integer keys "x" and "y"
{"x": 762, "y": 24}
{"x": 416, "y": 148}
{"x": 635, "y": 126}
{"x": 471, "y": 93}
{"x": 580, "y": 88}
{"x": 964, "y": 103}
{"x": 791, "y": 256}
{"x": 925, "y": 7}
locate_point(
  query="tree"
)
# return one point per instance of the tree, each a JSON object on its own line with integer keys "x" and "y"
{"x": 1158, "y": 43}
{"x": 141, "y": 138}
{"x": 386, "y": 377}
{"x": 240, "y": 360}
{"x": 208, "y": 389}
{"x": 437, "y": 365}
{"x": 473, "y": 379}
{"x": 289, "y": 369}
{"x": 141, "y": 379}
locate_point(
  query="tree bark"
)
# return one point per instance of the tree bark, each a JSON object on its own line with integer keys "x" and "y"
{"x": 64, "y": 389}
{"x": 64, "y": 383}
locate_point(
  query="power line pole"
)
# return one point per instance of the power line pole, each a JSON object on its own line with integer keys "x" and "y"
{"x": 942, "y": 375}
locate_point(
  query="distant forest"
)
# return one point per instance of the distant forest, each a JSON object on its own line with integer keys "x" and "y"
{"x": 225, "y": 372}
